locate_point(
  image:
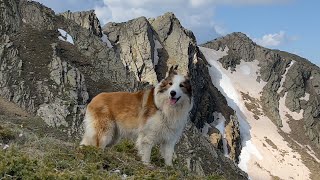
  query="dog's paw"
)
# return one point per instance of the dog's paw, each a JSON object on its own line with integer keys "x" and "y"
{"x": 150, "y": 166}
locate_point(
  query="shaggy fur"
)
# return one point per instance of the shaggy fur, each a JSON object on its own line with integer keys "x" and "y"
{"x": 153, "y": 116}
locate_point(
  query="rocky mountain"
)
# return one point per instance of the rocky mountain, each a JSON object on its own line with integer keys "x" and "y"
{"x": 266, "y": 86}
{"x": 255, "y": 107}
{"x": 53, "y": 64}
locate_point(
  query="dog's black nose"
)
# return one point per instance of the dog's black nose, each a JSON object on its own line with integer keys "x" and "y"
{"x": 173, "y": 93}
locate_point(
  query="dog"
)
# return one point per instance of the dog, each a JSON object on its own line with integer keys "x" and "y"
{"x": 153, "y": 116}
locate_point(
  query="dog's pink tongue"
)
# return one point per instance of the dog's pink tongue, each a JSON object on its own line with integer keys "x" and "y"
{"x": 173, "y": 101}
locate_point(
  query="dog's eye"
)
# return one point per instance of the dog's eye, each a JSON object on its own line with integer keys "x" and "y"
{"x": 170, "y": 83}
{"x": 181, "y": 85}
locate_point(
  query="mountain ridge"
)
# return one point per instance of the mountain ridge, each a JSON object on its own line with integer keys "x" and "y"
{"x": 132, "y": 55}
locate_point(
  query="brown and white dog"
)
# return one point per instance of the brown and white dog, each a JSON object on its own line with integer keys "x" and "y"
{"x": 153, "y": 116}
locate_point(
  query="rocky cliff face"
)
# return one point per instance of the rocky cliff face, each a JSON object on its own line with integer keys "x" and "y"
{"x": 52, "y": 65}
{"x": 135, "y": 43}
{"x": 303, "y": 93}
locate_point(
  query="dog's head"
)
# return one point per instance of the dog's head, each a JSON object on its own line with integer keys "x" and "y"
{"x": 174, "y": 90}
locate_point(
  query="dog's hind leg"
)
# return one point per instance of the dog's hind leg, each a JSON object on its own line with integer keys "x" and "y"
{"x": 108, "y": 135}
{"x": 90, "y": 132}
{"x": 99, "y": 132}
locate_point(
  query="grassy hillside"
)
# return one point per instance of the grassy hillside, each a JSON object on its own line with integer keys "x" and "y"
{"x": 39, "y": 152}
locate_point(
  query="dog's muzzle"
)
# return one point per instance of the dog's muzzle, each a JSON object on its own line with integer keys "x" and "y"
{"x": 173, "y": 100}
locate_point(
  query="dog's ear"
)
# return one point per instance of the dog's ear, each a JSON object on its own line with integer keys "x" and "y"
{"x": 173, "y": 70}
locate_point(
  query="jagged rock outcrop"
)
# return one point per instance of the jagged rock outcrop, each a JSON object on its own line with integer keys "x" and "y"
{"x": 106, "y": 69}
{"x": 157, "y": 44}
{"x": 53, "y": 89}
{"x": 301, "y": 79}
{"x": 86, "y": 19}
{"x": 201, "y": 157}
{"x": 135, "y": 42}
{"x": 176, "y": 41}
{"x": 35, "y": 15}
{"x": 303, "y": 94}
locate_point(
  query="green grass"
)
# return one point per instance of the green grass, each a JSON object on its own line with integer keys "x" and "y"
{"x": 6, "y": 134}
{"x": 40, "y": 157}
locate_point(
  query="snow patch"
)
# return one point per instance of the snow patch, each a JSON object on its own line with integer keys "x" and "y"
{"x": 106, "y": 40}
{"x": 306, "y": 97}
{"x": 283, "y": 77}
{"x": 64, "y": 36}
{"x": 245, "y": 69}
{"x": 246, "y": 152}
{"x": 284, "y": 111}
{"x": 5, "y": 147}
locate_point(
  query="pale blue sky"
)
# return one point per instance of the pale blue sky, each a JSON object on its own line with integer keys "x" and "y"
{"x": 289, "y": 25}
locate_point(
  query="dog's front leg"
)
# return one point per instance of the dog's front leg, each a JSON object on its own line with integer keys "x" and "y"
{"x": 167, "y": 150}
{"x": 144, "y": 146}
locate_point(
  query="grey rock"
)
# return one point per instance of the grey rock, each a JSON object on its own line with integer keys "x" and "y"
{"x": 215, "y": 138}
{"x": 205, "y": 159}
{"x": 10, "y": 20}
{"x": 104, "y": 66}
{"x": 135, "y": 42}
{"x": 86, "y": 19}
{"x": 176, "y": 41}
{"x": 36, "y": 15}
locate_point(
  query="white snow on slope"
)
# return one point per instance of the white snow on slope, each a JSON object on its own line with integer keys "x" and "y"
{"x": 264, "y": 150}
{"x": 106, "y": 40}
{"x": 306, "y": 97}
{"x": 64, "y": 36}
{"x": 284, "y": 112}
{"x": 283, "y": 79}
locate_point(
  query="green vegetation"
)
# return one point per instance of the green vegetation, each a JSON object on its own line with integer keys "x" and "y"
{"x": 33, "y": 156}
{"x": 6, "y": 135}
